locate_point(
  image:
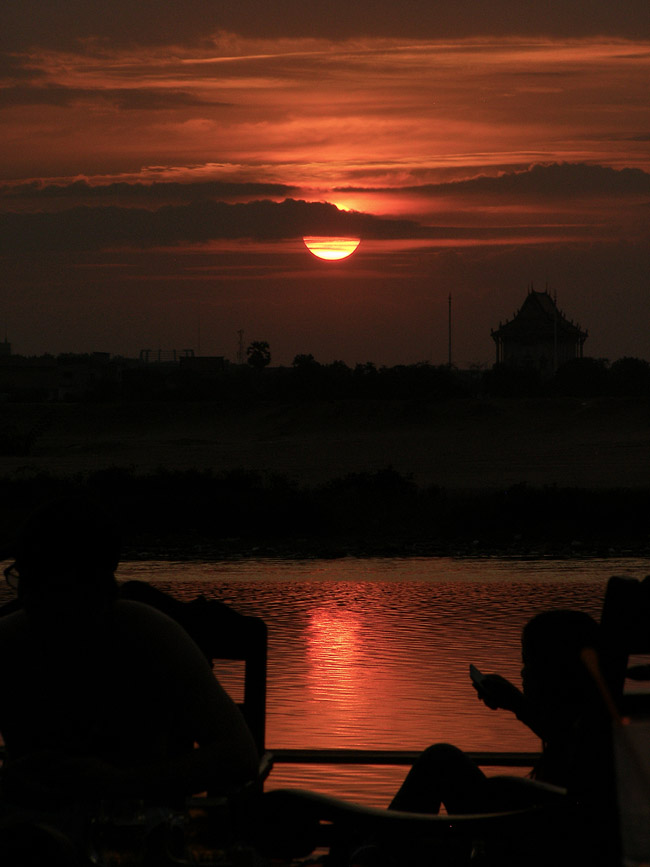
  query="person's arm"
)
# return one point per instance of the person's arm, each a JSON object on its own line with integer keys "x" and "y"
{"x": 220, "y": 765}
{"x": 225, "y": 755}
{"x": 192, "y": 700}
{"x": 499, "y": 694}
{"x": 42, "y": 779}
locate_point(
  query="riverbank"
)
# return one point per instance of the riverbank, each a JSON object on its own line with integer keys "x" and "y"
{"x": 462, "y": 477}
{"x": 456, "y": 444}
{"x": 204, "y": 515}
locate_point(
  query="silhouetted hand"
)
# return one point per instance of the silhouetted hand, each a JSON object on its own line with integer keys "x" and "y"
{"x": 498, "y": 693}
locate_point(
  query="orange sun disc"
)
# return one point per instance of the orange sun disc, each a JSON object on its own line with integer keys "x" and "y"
{"x": 331, "y": 248}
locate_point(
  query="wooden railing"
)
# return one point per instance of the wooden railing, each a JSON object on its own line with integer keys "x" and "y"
{"x": 392, "y": 757}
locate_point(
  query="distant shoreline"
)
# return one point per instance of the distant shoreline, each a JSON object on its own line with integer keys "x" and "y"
{"x": 330, "y": 479}
{"x": 271, "y": 551}
{"x": 199, "y": 514}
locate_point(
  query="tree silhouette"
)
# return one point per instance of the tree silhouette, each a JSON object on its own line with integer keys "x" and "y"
{"x": 305, "y": 362}
{"x": 258, "y": 354}
{"x": 580, "y": 377}
{"x": 629, "y": 377}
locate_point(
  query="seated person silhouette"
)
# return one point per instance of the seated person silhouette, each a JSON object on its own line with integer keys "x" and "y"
{"x": 102, "y": 697}
{"x": 560, "y": 703}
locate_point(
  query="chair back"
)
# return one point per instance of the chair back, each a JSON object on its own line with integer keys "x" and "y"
{"x": 625, "y": 628}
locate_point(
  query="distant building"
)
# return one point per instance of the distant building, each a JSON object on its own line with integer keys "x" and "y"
{"x": 538, "y": 336}
{"x": 69, "y": 376}
{"x": 164, "y": 356}
{"x": 204, "y": 363}
{"x": 81, "y": 375}
{"x": 35, "y": 379}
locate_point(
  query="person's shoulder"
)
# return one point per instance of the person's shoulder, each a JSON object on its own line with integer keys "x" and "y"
{"x": 128, "y": 610}
{"x": 148, "y": 623}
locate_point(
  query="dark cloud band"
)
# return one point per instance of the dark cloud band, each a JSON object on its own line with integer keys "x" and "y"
{"x": 86, "y": 228}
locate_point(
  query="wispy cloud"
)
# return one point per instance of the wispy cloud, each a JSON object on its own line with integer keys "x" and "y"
{"x": 317, "y": 111}
{"x": 564, "y": 180}
{"x": 156, "y": 192}
{"x": 126, "y": 98}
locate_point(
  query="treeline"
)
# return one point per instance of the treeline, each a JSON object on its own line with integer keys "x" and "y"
{"x": 203, "y": 514}
{"x": 307, "y": 379}
{"x": 97, "y": 378}
{"x": 581, "y": 377}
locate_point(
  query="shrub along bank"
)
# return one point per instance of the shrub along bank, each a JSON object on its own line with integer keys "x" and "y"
{"x": 204, "y": 514}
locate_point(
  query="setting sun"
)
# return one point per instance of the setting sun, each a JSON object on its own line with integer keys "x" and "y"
{"x": 331, "y": 248}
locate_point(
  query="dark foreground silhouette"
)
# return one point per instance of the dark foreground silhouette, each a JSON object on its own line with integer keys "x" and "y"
{"x": 561, "y": 703}
{"x": 103, "y": 698}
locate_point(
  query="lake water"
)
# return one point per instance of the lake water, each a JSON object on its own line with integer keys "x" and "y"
{"x": 374, "y": 653}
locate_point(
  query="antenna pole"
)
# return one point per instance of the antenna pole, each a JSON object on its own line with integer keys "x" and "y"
{"x": 555, "y": 334}
{"x": 449, "y": 338}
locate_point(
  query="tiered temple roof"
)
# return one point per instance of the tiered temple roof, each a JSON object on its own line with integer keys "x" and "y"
{"x": 538, "y": 335}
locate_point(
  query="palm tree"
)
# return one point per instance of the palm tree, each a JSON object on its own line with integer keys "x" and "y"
{"x": 258, "y": 354}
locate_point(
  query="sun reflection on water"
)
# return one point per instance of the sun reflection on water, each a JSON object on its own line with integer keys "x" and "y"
{"x": 332, "y": 645}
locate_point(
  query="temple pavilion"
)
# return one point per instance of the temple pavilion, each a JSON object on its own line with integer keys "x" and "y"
{"x": 538, "y": 336}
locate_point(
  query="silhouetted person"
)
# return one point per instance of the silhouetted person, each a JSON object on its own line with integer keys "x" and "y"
{"x": 561, "y": 704}
{"x": 100, "y": 697}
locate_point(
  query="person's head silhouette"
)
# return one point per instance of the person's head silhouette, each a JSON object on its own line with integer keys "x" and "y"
{"x": 552, "y": 642}
{"x": 65, "y": 558}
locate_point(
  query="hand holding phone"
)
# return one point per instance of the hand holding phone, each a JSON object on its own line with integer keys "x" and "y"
{"x": 477, "y": 676}
{"x": 481, "y": 683}
{"x": 495, "y": 691}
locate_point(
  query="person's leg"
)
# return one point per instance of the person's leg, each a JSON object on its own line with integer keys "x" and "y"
{"x": 443, "y": 774}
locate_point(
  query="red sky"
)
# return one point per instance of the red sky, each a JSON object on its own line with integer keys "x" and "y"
{"x": 160, "y": 165}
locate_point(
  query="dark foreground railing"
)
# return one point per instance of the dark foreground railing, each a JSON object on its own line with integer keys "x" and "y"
{"x": 392, "y": 757}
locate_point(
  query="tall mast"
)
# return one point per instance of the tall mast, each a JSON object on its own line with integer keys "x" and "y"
{"x": 449, "y": 339}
